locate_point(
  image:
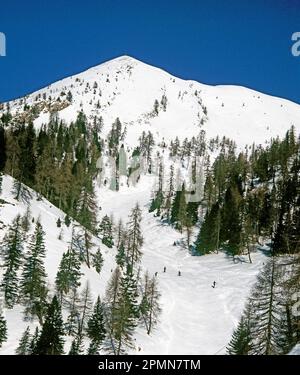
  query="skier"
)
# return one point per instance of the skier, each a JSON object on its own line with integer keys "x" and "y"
{"x": 179, "y": 273}
{"x": 214, "y": 284}
{"x": 155, "y": 274}
{"x": 165, "y": 269}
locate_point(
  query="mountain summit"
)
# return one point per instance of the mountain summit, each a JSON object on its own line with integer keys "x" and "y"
{"x": 128, "y": 88}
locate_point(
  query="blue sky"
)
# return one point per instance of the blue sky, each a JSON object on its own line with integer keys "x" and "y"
{"x": 239, "y": 42}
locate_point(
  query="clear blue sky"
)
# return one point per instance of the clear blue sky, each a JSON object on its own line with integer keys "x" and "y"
{"x": 240, "y": 42}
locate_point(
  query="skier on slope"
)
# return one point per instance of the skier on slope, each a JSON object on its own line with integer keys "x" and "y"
{"x": 213, "y": 284}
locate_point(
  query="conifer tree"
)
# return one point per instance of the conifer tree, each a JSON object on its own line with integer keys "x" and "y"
{"x": 86, "y": 215}
{"x": 96, "y": 328}
{"x": 12, "y": 248}
{"x": 51, "y": 340}
{"x": 3, "y": 330}
{"x": 122, "y": 312}
{"x": 106, "y": 231}
{"x": 209, "y": 234}
{"x": 120, "y": 256}
{"x": 240, "y": 343}
{"x": 24, "y": 344}
{"x": 231, "y": 229}
{"x": 68, "y": 275}
{"x": 76, "y": 347}
{"x": 135, "y": 237}
{"x": 33, "y": 341}
{"x": 98, "y": 261}
{"x": 33, "y": 282}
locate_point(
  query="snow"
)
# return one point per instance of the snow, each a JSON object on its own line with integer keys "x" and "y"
{"x": 129, "y": 87}
{"x": 295, "y": 350}
{"x": 196, "y": 318}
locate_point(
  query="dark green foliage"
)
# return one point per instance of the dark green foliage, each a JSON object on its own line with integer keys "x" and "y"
{"x": 3, "y": 330}
{"x": 51, "y": 340}
{"x": 33, "y": 284}
{"x": 24, "y": 344}
{"x": 98, "y": 261}
{"x": 96, "y": 328}
{"x": 240, "y": 343}
{"x": 105, "y": 230}
{"x": 12, "y": 249}
{"x": 208, "y": 239}
{"x": 120, "y": 256}
{"x": 68, "y": 275}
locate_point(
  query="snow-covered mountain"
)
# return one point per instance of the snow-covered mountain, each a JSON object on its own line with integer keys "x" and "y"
{"x": 127, "y": 88}
{"x": 196, "y": 318}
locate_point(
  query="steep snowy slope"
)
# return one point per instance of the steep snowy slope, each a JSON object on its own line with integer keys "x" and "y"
{"x": 196, "y": 318}
{"x": 127, "y": 88}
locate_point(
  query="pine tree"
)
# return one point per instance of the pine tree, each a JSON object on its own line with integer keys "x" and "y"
{"x": 98, "y": 261}
{"x": 51, "y": 340}
{"x": 24, "y": 344}
{"x": 240, "y": 343}
{"x": 106, "y": 232}
{"x": 86, "y": 215}
{"x": 120, "y": 256}
{"x": 209, "y": 234}
{"x": 135, "y": 237}
{"x": 3, "y": 330}
{"x": 76, "y": 347}
{"x": 96, "y": 328}
{"x": 122, "y": 310}
{"x": 68, "y": 274}
{"x": 33, "y": 341}
{"x": 33, "y": 282}
{"x": 12, "y": 248}
{"x": 231, "y": 230}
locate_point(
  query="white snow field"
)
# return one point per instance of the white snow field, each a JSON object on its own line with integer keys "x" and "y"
{"x": 196, "y": 318}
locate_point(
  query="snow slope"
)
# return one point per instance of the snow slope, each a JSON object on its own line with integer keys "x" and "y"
{"x": 127, "y": 88}
{"x": 196, "y": 318}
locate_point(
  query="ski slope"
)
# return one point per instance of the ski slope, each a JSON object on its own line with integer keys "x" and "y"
{"x": 195, "y": 319}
